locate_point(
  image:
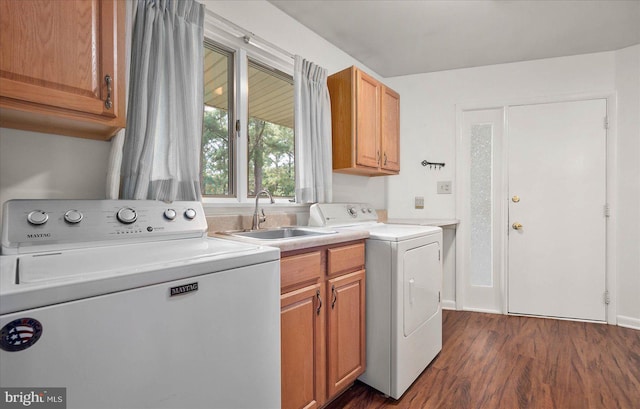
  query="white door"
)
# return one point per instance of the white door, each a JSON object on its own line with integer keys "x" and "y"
{"x": 557, "y": 194}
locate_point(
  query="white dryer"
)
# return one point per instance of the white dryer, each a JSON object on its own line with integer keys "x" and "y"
{"x": 403, "y": 285}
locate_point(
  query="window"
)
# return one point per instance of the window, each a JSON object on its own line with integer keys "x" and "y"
{"x": 245, "y": 153}
{"x": 271, "y": 144}
{"x": 217, "y": 143}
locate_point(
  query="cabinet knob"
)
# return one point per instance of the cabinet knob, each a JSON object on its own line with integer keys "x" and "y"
{"x": 335, "y": 296}
{"x": 107, "y": 103}
{"x": 319, "y": 302}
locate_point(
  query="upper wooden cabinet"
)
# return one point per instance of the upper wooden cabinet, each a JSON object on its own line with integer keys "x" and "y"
{"x": 55, "y": 58}
{"x": 365, "y": 116}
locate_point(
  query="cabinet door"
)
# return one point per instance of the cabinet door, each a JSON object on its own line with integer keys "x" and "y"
{"x": 367, "y": 122}
{"x": 303, "y": 348}
{"x": 346, "y": 330}
{"x": 390, "y": 134}
{"x": 55, "y": 57}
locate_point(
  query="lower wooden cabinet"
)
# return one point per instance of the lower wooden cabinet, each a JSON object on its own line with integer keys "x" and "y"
{"x": 322, "y": 323}
{"x": 345, "y": 331}
{"x": 302, "y": 343}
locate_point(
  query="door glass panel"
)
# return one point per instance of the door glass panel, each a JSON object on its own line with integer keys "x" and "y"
{"x": 481, "y": 205}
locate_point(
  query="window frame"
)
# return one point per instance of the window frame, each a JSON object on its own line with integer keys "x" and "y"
{"x": 231, "y": 121}
{"x": 242, "y": 51}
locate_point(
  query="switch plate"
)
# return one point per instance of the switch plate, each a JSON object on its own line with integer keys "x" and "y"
{"x": 444, "y": 188}
{"x": 419, "y": 202}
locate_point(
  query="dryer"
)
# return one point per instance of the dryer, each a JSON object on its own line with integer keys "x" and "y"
{"x": 403, "y": 287}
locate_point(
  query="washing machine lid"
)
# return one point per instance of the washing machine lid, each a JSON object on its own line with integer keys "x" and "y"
{"x": 399, "y": 232}
{"x": 40, "y": 279}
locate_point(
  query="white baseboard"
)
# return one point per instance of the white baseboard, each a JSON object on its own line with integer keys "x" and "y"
{"x": 448, "y": 305}
{"x": 628, "y": 322}
{"x": 487, "y": 311}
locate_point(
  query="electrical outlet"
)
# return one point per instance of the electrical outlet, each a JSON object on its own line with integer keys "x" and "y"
{"x": 419, "y": 200}
{"x": 444, "y": 188}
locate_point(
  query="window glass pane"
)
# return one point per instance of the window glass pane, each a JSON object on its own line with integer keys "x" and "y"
{"x": 481, "y": 205}
{"x": 217, "y": 141}
{"x": 271, "y": 139}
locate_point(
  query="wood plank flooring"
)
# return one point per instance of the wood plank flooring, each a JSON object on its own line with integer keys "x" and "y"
{"x": 498, "y": 361}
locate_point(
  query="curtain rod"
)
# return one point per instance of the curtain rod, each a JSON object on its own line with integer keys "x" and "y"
{"x": 247, "y": 36}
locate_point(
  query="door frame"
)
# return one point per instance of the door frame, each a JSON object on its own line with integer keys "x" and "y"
{"x": 462, "y": 178}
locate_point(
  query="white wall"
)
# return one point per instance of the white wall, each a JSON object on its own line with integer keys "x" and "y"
{"x": 628, "y": 213}
{"x": 36, "y": 165}
{"x": 428, "y": 131}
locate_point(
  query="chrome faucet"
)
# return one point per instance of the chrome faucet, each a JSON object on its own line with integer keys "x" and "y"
{"x": 257, "y": 219}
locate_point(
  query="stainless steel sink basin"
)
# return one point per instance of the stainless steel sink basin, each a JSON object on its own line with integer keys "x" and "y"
{"x": 281, "y": 233}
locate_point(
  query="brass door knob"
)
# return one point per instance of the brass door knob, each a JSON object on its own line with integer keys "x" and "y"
{"x": 515, "y": 199}
{"x": 516, "y": 226}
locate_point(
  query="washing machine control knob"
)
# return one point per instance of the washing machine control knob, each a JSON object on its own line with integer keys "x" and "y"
{"x": 37, "y": 217}
{"x": 73, "y": 216}
{"x": 127, "y": 215}
{"x": 352, "y": 211}
{"x": 190, "y": 214}
{"x": 170, "y": 214}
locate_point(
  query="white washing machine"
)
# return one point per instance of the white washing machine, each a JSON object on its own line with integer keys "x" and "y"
{"x": 128, "y": 304}
{"x": 403, "y": 285}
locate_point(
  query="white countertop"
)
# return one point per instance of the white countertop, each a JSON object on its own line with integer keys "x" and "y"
{"x": 301, "y": 242}
{"x": 425, "y": 222}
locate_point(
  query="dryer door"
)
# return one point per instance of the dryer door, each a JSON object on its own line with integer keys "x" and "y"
{"x": 421, "y": 280}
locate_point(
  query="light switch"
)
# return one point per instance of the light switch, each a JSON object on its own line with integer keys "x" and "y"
{"x": 444, "y": 188}
{"x": 419, "y": 200}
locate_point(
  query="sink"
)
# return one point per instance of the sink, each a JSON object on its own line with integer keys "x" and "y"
{"x": 281, "y": 233}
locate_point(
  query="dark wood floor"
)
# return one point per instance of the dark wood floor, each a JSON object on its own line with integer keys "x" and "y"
{"x": 497, "y": 361}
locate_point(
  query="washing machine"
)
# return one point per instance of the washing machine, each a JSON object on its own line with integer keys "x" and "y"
{"x": 403, "y": 288}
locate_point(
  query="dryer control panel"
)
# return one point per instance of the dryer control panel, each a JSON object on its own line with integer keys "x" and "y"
{"x": 336, "y": 214}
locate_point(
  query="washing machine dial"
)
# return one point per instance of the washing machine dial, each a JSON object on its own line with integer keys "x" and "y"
{"x": 73, "y": 216}
{"x": 352, "y": 211}
{"x": 37, "y": 217}
{"x": 170, "y": 214}
{"x": 127, "y": 215}
{"x": 190, "y": 214}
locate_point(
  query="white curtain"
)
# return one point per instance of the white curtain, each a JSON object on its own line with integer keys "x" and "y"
{"x": 313, "y": 133}
{"x": 161, "y": 158}
{"x": 115, "y": 155}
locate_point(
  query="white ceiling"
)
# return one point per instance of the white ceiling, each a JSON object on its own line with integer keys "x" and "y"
{"x": 407, "y": 37}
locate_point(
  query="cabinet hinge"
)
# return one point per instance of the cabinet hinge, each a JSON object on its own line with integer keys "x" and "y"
{"x": 607, "y": 210}
{"x": 606, "y": 122}
{"x": 607, "y": 298}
